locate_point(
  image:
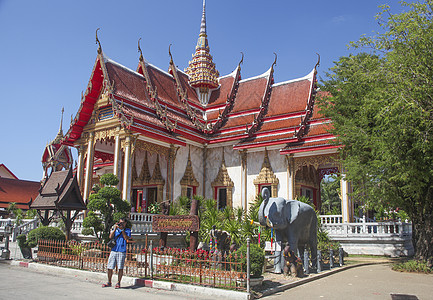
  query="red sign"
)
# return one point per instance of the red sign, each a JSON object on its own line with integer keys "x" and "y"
{"x": 163, "y": 223}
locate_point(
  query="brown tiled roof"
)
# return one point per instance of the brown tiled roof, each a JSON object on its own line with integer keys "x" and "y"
{"x": 18, "y": 191}
{"x": 60, "y": 191}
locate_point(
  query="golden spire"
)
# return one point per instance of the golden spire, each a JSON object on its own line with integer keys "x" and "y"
{"x": 59, "y": 136}
{"x": 201, "y": 69}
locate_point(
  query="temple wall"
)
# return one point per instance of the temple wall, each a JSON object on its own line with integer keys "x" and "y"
{"x": 254, "y": 165}
{"x": 214, "y": 159}
{"x": 233, "y": 165}
{"x": 180, "y": 166}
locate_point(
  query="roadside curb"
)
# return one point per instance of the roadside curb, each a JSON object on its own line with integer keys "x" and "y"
{"x": 313, "y": 278}
{"x": 132, "y": 281}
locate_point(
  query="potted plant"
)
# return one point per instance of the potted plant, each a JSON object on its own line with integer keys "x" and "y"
{"x": 257, "y": 260}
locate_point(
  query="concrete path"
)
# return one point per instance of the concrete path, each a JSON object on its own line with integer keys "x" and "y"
{"x": 364, "y": 282}
{"x": 21, "y": 283}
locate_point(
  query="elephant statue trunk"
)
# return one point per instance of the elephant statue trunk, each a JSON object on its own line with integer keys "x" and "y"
{"x": 262, "y": 217}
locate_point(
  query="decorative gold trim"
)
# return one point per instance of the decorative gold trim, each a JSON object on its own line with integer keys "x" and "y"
{"x": 105, "y": 134}
{"x": 152, "y": 148}
{"x": 267, "y": 176}
{"x": 223, "y": 180}
{"x": 316, "y": 161}
{"x": 188, "y": 178}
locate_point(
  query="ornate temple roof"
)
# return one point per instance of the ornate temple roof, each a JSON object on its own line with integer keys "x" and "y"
{"x": 248, "y": 113}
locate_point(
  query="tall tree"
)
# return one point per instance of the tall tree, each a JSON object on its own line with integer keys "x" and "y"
{"x": 381, "y": 106}
{"x": 105, "y": 208}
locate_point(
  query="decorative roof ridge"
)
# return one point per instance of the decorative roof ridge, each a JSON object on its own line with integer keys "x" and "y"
{"x": 309, "y": 76}
{"x": 158, "y": 69}
{"x": 222, "y": 117}
{"x": 100, "y": 60}
{"x": 153, "y": 95}
{"x": 266, "y": 74}
{"x": 258, "y": 120}
{"x": 109, "y": 60}
{"x": 310, "y": 104}
{"x": 182, "y": 94}
{"x": 232, "y": 74}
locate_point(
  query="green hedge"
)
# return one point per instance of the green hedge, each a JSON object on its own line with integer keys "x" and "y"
{"x": 43, "y": 232}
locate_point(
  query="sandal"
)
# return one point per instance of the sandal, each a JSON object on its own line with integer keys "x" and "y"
{"x": 108, "y": 284}
{"x": 117, "y": 285}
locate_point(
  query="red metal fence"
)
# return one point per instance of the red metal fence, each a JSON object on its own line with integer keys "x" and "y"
{"x": 89, "y": 256}
{"x": 198, "y": 268}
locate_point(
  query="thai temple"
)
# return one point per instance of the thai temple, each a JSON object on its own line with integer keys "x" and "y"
{"x": 174, "y": 133}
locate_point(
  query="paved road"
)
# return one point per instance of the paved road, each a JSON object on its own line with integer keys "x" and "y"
{"x": 23, "y": 283}
{"x": 367, "y": 282}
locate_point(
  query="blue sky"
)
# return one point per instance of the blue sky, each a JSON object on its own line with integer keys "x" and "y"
{"x": 48, "y": 50}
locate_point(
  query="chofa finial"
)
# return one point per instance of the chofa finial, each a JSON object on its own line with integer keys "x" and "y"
{"x": 318, "y": 61}
{"x": 139, "y": 50}
{"x": 169, "y": 53}
{"x": 98, "y": 42}
{"x": 275, "y": 61}
{"x": 242, "y": 59}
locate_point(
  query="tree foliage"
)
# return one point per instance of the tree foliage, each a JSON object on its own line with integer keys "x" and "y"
{"x": 105, "y": 207}
{"x": 381, "y": 105}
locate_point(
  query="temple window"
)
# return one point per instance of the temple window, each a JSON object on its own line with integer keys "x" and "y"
{"x": 222, "y": 198}
{"x": 223, "y": 187}
{"x": 146, "y": 189}
{"x": 266, "y": 178}
{"x": 188, "y": 183}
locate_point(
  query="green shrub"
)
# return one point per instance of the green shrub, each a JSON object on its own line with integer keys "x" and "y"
{"x": 22, "y": 241}
{"x": 413, "y": 266}
{"x": 46, "y": 233}
{"x": 257, "y": 259}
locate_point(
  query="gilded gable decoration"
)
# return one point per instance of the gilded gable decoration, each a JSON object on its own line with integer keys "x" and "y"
{"x": 267, "y": 176}
{"x": 223, "y": 180}
{"x": 145, "y": 179}
{"x": 316, "y": 161}
{"x": 188, "y": 179}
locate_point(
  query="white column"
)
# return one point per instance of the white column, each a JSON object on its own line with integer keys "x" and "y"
{"x": 345, "y": 200}
{"x": 80, "y": 166}
{"x": 291, "y": 173}
{"x": 244, "y": 187}
{"x": 127, "y": 170}
{"x": 117, "y": 156}
{"x": 89, "y": 167}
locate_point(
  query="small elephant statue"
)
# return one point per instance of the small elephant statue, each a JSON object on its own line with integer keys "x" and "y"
{"x": 294, "y": 222}
{"x": 293, "y": 263}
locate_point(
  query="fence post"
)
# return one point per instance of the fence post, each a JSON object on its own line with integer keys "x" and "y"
{"x": 248, "y": 265}
{"x": 306, "y": 262}
{"x": 341, "y": 256}
{"x": 319, "y": 261}
{"x": 151, "y": 259}
{"x": 331, "y": 258}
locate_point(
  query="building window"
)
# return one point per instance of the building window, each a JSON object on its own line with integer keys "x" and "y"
{"x": 222, "y": 198}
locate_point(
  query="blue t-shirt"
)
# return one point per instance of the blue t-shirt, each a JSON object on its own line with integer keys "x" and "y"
{"x": 120, "y": 240}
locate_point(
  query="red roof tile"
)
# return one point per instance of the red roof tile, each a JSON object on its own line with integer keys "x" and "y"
{"x": 19, "y": 191}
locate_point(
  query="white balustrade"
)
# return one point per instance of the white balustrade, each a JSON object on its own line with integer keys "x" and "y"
{"x": 369, "y": 229}
{"x": 331, "y": 219}
{"x": 141, "y": 223}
